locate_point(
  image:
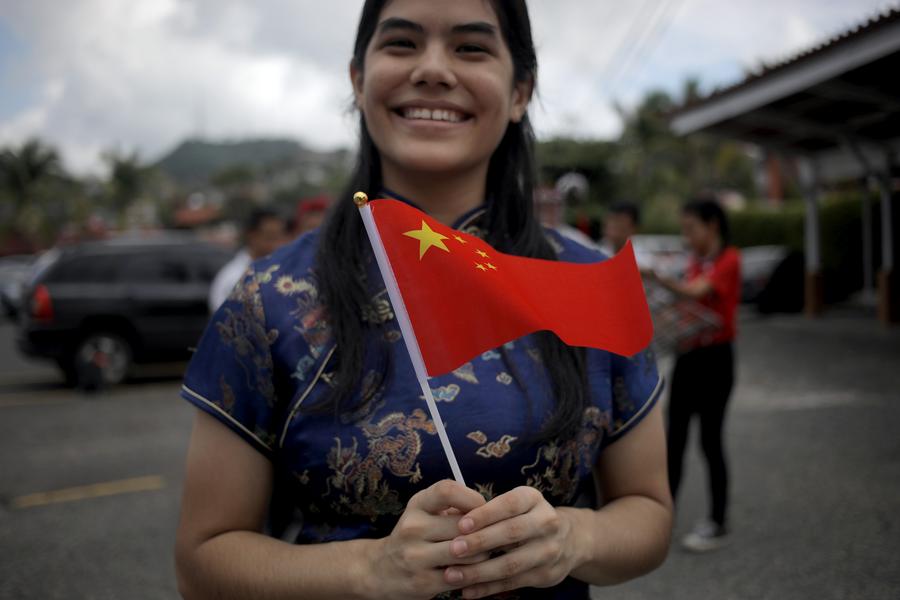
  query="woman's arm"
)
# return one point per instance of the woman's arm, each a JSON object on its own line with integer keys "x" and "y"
{"x": 626, "y": 538}
{"x": 695, "y": 289}
{"x": 220, "y": 552}
{"x": 630, "y": 534}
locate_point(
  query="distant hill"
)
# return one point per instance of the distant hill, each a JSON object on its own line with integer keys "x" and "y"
{"x": 195, "y": 161}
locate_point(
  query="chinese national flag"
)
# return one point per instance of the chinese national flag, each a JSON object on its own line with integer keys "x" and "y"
{"x": 464, "y": 298}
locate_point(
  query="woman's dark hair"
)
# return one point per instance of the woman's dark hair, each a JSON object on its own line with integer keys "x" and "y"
{"x": 511, "y": 226}
{"x": 708, "y": 210}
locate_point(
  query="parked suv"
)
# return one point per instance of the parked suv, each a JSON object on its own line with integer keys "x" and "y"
{"x": 97, "y": 307}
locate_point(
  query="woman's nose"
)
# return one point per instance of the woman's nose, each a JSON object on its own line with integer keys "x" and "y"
{"x": 434, "y": 69}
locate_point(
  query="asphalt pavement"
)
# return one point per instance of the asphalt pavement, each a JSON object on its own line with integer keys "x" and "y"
{"x": 90, "y": 485}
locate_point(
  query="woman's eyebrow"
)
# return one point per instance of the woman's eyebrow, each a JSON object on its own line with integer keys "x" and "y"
{"x": 395, "y": 23}
{"x": 476, "y": 27}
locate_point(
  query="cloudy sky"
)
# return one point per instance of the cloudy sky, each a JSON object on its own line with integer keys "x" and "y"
{"x": 90, "y": 75}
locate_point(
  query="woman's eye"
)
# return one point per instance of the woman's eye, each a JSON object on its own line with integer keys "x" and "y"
{"x": 471, "y": 48}
{"x": 399, "y": 43}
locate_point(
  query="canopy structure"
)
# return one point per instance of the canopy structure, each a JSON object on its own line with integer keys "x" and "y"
{"x": 835, "y": 111}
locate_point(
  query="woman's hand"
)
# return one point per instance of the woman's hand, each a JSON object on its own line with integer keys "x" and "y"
{"x": 410, "y": 562}
{"x": 540, "y": 543}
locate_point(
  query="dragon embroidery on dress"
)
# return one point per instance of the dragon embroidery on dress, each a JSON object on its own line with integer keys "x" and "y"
{"x": 393, "y": 443}
{"x": 309, "y": 314}
{"x": 243, "y": 328}
{"x": 564, "y": 461}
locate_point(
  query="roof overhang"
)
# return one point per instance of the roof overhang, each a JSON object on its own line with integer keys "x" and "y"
{"x": 838, "y": 104}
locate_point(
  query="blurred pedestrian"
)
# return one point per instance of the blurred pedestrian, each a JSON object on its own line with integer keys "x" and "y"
{"x": 551, "y": 209}
{"x": 264, "y": 232}
{"x": 704, "y": 371}
{"x": 620, "y": 223}
{"x": 310, "y": 214}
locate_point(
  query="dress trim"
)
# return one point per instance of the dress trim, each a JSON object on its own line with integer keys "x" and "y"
{"x": 218, "y": 409}
{"x": 654, "y": 396}
{"x": 303, "y": 396}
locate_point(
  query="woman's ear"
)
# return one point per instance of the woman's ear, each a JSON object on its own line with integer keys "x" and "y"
{"x": 356, "y": 79}
{"x": 521, "y": 96}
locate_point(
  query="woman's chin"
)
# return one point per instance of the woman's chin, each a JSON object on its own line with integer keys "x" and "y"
{"x": 434, "y": 163}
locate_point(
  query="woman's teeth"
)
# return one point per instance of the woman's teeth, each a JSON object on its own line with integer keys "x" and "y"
{"x": 427, "y": 114}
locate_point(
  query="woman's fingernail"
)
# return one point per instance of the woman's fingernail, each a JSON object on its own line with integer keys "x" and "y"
{"x": 454, "y": 575}
{"x": 466, "y": 525}
{"x": 458, "y": 547}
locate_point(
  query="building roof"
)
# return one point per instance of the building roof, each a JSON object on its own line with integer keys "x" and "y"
{"x": 832, "y": 44}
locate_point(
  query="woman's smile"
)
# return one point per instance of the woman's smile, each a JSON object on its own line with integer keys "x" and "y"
{"x": 428, "y": 115}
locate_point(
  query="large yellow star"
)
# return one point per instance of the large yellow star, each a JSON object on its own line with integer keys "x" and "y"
{"x": 427, "y": 238}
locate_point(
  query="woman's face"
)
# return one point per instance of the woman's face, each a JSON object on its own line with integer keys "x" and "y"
{"x": 700, "y": 236}
{"x": 437, "y": 90}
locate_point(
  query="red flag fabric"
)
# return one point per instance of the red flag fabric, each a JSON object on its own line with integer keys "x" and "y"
{"x": 464, "y": 298}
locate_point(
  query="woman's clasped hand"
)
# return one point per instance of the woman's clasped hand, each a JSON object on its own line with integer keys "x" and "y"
{"x": 449, "y": 538}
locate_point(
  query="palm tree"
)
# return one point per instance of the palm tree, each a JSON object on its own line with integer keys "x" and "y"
{"x": 127, "y": 177}
{"x": 22, "y": 170}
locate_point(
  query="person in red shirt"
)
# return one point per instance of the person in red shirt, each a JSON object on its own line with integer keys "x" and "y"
{"x": 703, "y": 376}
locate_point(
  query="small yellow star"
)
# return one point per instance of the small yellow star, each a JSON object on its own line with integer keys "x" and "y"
{"x": 480, "y": 267}
{"x": 460, "y": 240}
{"x": 491, "y": 267}
{"x": 427, "y": 238}
{"x": 481, "y": 253}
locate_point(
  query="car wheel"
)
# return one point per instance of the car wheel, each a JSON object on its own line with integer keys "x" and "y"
{"x": 102, "y": 359}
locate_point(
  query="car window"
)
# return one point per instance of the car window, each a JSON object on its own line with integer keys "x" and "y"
{"x": 154, "y": 268}
{"x": 208, "y": 264}
{"x": 85, "y": 269}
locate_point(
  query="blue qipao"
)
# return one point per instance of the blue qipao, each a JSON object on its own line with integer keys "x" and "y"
{"x": 267, "y": 352}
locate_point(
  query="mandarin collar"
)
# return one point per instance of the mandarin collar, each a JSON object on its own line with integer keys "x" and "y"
{"x": 469, "y": 222}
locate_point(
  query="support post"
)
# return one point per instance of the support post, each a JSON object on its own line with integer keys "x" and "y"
{"x": 814, "y": 293}
{"x": 888, "y": 294}
{"x": 867, "y": 253}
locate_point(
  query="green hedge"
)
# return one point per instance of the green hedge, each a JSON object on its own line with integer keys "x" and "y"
{"x": 840, "y": 221}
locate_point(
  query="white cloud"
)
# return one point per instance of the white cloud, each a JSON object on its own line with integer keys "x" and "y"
{"x": 147, "y": 73}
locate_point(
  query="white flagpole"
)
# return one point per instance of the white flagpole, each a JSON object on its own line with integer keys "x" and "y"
{"x": 409, "y": 337}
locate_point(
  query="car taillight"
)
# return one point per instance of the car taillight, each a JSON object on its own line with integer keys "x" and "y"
{"x": 41, "y": 306}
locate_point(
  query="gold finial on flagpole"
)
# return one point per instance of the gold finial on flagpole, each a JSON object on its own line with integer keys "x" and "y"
{"x": 360, "y": 199}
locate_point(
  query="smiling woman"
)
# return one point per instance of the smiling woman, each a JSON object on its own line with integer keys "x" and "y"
{"x": 313, "y": 470}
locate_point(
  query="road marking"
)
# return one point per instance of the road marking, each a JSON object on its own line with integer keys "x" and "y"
{"x": 94, "y": 490}
{"x": 33, "y": 402}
